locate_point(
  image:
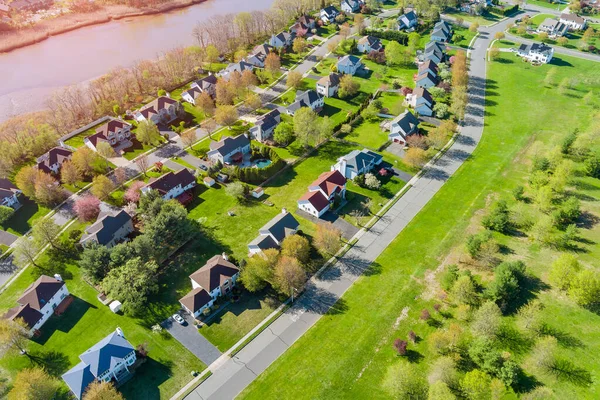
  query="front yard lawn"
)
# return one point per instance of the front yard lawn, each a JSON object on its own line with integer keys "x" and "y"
{"x": 484, "y": 19}
{"x": 77, "y": 140}
{"x": 24, "y": 218}
{"x": 462, "y": 36}
{"x": 136, "y": 149}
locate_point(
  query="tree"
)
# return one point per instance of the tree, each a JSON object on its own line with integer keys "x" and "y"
{"x": 25, "y": 180}
{"x": 95, "y": 261}
{"x": 474, "y": 27}
{"x": 87, "y": 208}
{"x": 494, "y": 53}
{"x": 402, "y": 381}
{"x": 33, "y": 383}
{"x": 47, "y": 189}
{"x": 120, "y": 176}
{"x": 400, "y": 346}
{"x": 563, "y": 41}
{"x": 359, "y": 23}
{"x": 133, "y": 193}
{"x": 5, "y": 213}
{"x": 415, "y": 157}
{"x": 253, "y": 101}
{"x": 588, "y": 34}
{"x": 530, "y": 318}
{"x": 188, "y": 137}
{"x": 508, "y": 279}
{"x": 563, "y": 271}
{"x": 101, "y": 390}
{"x": 259, "y": 270}
{"x": 463, "y": 291}
{"x": 26, "y": 251}
{"x": 348, "y": 86}
{"x": 102, "y": 186}
{"x": 539, "y": 393}
{"x": 393, "y": 53}
{"x": 272, "y": 63}
{"x": 84, "y": 160}
{"x": 443, "y": 370}
{"x": 289, "y": 276}
{"x": 237, "y": 190}
{"x": 476, "y": 385}
{"x": 249, "y": 79}
{"x": 284, "y": 134}
{"x": 328, "y": 238}
{"x": 211, "y": 54}
{"x": 225, "y": 92}
{"x": 296, "y": 246}
{"x": 448, "y": 276}
{"x": 226, "y": 115}
{"x": 305, "y": 125}
{"x": 487, "y": 320}
{"x": 206, "y": 104}
{"x": 69, "y": 174}
{"x": 147, "y": 133}
{"x": 294, "y": 79}
{"x": 166, "y": 227}
{"x": 142, "y": 163}
{"x": 440, "y": 391}
{"x": 543, "y": 355}
{"x": 46, "y": 231}
{"x": 344, "y": 31}
{"x": 14, "y": 336}
{"x": 105, "y": 150}
{"x": 132, "y": 284}
{"x": 499, "y": 35}
{"x": 585, "y": 288}
{"x": 299, "y": 45}
{"x": 498, "y": 219}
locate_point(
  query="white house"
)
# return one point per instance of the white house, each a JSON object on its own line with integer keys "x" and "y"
{"x": 229, "y": 149}
{"x": 536, "y": 52}
{"x": 351, "y": 6}
{"x": 553, "y": 28}
{"x": 172, "y": 185}
{"x": 309, "y": 98}
{"x": 402, "y": 126}
{"x": 115, "y": 132}
{"x": 357, "y": 162}
{"x": 322, "y": 193}
{"x": 272, "y": 233}
{"x": 421, "y": 101}
{"x": 216, "y": 278}
{"x": 442, "y": 32}
{"x": 191, "y": 95}
{"x": 108, "y": 360}
{"x": 238, "y": 67}
{"x": 38, "y": 302}
{"x": 281, "y": 40}
{"x": 369, "y": 43}
{"x": 109, "y": 229}
{"x": 349, "y": 65}
{"x": 328, "y": 85}
{"x": 51, "y": 162}
{"x": 161, "y": 110}
{"x": 573, "y": 21}
{"x": 259, "y": 55}
{"x": 265, "y": 126}
{"x": 407, "y": 21}
{"x": 328, "y": 14}
{"x": 9, "y": 194}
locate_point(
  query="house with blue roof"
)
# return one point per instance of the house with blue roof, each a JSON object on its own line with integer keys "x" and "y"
{"x": 349, "y": 65}
{"x": 108, "y": 360}
{"x": 357, "y": 162}
{"x": 272, "y": 234}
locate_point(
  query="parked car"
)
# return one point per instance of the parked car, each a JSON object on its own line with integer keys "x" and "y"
{"x": 179, "y": 319}
{"x": 203, "y": 167}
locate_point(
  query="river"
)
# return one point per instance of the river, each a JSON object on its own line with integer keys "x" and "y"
{"x": 28, "y": 76}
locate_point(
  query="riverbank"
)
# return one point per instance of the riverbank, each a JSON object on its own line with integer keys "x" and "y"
{"x": 70, "y": 22}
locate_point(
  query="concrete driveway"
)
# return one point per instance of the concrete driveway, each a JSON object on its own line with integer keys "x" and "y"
{"x": 348, "y": 230}
{"x": 191, "y": 339}
{"x": 7, "y": 238}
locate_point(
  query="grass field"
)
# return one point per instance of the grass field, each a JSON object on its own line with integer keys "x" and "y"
{"x": 23, "y": 219}
{"x": 347, "y": 353}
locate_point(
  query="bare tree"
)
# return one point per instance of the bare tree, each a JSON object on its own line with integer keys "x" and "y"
{"x": 142, "y": 163}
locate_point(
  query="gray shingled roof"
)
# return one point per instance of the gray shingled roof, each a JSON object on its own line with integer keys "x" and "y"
{"x": 407, "y": 122}
{"x": 281, "y": 226}
{"x": 78, "y": 379}
{"x": 228, "y": 144}
{"x": 359, "y": 159}
{"x": 104, "y": 229}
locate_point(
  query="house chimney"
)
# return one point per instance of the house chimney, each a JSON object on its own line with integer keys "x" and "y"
{"x": 284, "y": 210}
{"x": 119, "y": 332}
{"x": 58, "y": 277}
{"x": 224, "y": 256}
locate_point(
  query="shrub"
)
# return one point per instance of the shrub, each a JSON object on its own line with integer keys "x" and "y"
{"x": 5, "y": 213}
{"x": 498, "y": 219}
{"x": 448, "y": 277}
{"x": 372, "y": 182}
{"x": 518, "y": 193}
{"x": 425, "y": 315}
{"x": 360, "y": 180}
{"x": 400, "y": 346}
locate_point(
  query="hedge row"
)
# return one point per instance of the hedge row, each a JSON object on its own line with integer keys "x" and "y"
{"x": 511, "y": 10}
{"x": 398, "y": 36}
{"x": 259, "y": 175}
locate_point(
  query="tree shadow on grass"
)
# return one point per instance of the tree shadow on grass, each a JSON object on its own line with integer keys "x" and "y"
{"x": 413, "y": 356}
{"x": 567, "y": 371}
{"x": 323, "y": 302}
{"x": 147, "y": 380}
{"x": 514, "y": 340}
{"x": 54, "y": 362}
{"x": 563, "y": 338}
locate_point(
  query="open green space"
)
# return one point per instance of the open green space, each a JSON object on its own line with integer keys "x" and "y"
{"x": 77, "y": 140}
{"x": 23, "y": 219}
{"x": 356, "y": 337}
{"x": 462, "y": 36}
{"x": 547, "y": 4}
{"x": 485, "y": 19}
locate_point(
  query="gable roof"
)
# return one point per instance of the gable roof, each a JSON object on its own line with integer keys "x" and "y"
{"x": 535, "y": 48}
{"x": 573, "y": 18}
{"x": 304, "y": 99}
{"x": 78, "y": 379}
{"x": 410, "y": 16}
{"x": 53, "y": 156}
{"x": 283, "y": 36}
{"x": 29, "y": 315}
{"x": 433, "y": 45}
{"x": 39, "y": 293}
{"x": 357, "y": 160}
{"x": 7, "y": 188}
{"x": 329, "y": 182}
{"x": 426, "y": 75}
{"x": 281, "y": 226}
{"x": 406, "y": 121}
{"x": 262, "y": 49}
{"x": 170, "y": 180}
{"x": 106, "y": 353}
{"x": 316, "y": 199}
{"x": 156, "y": 105}
{"x": 348, "y": 61}
{"x": 443, "y": 25}
{"x": 104, "y": 229}
{"x": 306, "y": 20}
{"x": 267, "y": 121}
{"x": 194, "y": 92}
{"x": 332, "y": 79}
{"x": 330, "y": 11}
{"x": 428, "y": 65}
{"x": 112, "y": 126}
{"x": 229, "y": 144}
{"x": 263, "y": 242}
{"x": 196, "y": 299}
{"x": 206, "y": 82}
{"x": 424, "y": 93}
{"x": 214, "y": 273}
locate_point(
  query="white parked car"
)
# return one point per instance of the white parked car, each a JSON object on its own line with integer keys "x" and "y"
{"x": 179, "y": 319}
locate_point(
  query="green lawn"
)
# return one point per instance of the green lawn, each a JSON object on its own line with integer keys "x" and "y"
{"x": 136, "y": 149}
{"x": 77, "y": 140}
{"x": 348, "y": 352}
{"x": 87, "y": 321}
{"x": 547, "y": 4}
{"x": 462, "y": 36}
{"x": 23, "y": 219}
{"x": 484, "y": 19}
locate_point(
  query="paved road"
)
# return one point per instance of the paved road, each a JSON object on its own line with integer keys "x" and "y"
{"x": 230, "y": 376}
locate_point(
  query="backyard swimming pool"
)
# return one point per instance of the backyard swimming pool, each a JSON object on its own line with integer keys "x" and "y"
{"x": 262, "y": 163}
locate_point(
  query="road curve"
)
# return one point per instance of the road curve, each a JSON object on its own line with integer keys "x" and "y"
{"x": 230, "y": 376}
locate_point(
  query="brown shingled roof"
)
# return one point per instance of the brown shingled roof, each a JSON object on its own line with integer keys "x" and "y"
{"x": 171, "y": 179}
{"x": 214, "y": 273}
{"x": 40, "y": 292}
{"x": 25, "y": 312}
{"x": 195, "y": 299}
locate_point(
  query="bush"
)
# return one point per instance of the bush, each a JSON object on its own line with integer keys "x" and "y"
{"x": 5, "y": 213}
{"x": 510, "y": 10}
{"x": 397, "y": 36}
{"x": 518, "y": 193}
{"x": 359, "y": 180}
{"x": 498, "y": 219}
{"x": 259, "y": 175}
{"x": 372, "y": 182}
{"x": 448, "y": 277}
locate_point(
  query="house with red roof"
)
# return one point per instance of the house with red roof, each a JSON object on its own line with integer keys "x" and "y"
{"x": 51, "y": 162}
{"x": 322, "y": 193}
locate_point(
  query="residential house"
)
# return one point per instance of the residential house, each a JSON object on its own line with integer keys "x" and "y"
{"x": 307, "y": 21}
{"x": 108, "y": 360}
{"x": 573, "y": 21}
{"x": 357, "y": 162}
{"x": 108, "y": 230}
{"x": 328, "y": 14}
{"x": 428, "y": 67}
{"x": 475, "y": 7}
{"x": 229, "y": 149}
{"x": 259, "y": 55}
{"x": 51, "y": 162}
{"x": 38, "y": 301}
{"x": 403, "y": 126}
{"x": 536, "y": 52}
{"x": 433, "y": 45}
{"x": 328, "y": 85}
{"x": 9, "y": 194}
{"x": 435, "y": 52}
{"x": 265, "y": 125}
{"x": 425, "y": 80}
{"x": 173, "y": 185}
{"x": 421, "y": 101}
{"x": 351, "y": 6}
{"x": 162, "y": 110}
{"x": 207, "y": 84}
{"x": 349, "y": 65}
{"x": 114, "y": 132}
{"x": 369, "y": 43}
{"x": 191, "y": 95}
{"x": 216, "y": 278}
{"x": 281, "y": 40}
{"x": 303, "y": 25}
{"x": 553, "y": 28}
{"x": 322, "y": 193}
{"x": 272, "y": 233}
{"x": 309, "y": 98}
{"x": 442, "y": 32}
{"x": 407, "y": 21}
{"x": 238, "y": 67}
